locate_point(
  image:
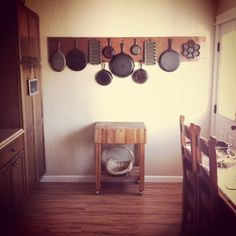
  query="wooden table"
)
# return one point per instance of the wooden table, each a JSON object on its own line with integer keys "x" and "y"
{"x": 120, "y": 133}
{"x": 227, "y": 186}
{"x": 226, "y": 180}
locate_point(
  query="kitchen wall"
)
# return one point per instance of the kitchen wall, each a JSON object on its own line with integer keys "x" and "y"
{"x": 73, "y": 101}
{"x": 225, "y": 5}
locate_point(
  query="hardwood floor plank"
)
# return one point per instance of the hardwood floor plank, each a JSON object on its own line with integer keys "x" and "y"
{"x": 68, "y": 209}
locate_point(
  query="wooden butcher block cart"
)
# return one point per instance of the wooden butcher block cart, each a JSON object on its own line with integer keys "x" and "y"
{"x": 120, "y": 133}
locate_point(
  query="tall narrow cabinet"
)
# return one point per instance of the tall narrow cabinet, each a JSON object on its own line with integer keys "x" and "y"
{"x": 30, "y": 68}
{"x": 20, "y": 62}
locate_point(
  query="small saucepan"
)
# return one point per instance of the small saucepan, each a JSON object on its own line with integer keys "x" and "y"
{"x": 103, "y": 77}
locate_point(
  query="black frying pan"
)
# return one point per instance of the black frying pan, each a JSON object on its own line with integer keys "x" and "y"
{"x": 121, "y": 65}
{"x": 58, "y": 61}
{"x": 75, "y": 59}
{"x": 108, "y": 51}
{"x": 169, "y": 60}
{"x": 140, "y": 76}
{"x": 135, "y": 49}
{"x": 103, "y": 77}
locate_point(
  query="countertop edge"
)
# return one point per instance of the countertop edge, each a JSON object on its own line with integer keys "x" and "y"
{"x": 12, "y": 137}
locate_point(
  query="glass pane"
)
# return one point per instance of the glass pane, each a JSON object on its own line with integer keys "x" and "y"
{"x": 227, "y": 76}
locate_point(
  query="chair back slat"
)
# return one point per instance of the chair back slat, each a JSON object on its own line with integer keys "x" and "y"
{"x": 188, "y": 142}
{"x": 207, "y": 183}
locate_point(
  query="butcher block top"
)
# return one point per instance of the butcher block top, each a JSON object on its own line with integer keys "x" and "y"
{"x": 120, "y": 132}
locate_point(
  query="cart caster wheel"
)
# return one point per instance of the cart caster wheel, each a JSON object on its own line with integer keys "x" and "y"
{"x": 97, "y": 192}
{"x": 140, "y": 192}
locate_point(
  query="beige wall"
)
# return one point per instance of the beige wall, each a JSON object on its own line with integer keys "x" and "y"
{"x": 225, "y": 5}
{"x": 73, "y": 101}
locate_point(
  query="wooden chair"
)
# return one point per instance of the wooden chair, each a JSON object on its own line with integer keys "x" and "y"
{"x": 208, "y": 199}
{"x": 188, "y": 139}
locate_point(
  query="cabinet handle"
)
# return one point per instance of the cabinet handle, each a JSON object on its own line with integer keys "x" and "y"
{"x": 14, "y": 163}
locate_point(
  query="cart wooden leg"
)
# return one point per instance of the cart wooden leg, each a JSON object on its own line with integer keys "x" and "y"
{"x": 98, "y": 154}
{"x": 140, "y": 154}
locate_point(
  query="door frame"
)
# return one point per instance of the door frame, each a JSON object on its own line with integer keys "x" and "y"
{"x": 220, "y": 19}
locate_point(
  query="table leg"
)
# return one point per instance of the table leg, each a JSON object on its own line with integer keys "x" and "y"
{"x": 140, "y": 154}
{"x": 98, "y": 154}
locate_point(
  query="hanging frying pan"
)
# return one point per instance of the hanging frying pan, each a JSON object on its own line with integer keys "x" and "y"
{"x": 135, "y": 49}
{"x": 75, "y": 59}
{"x": 58, "y": 61}
{"x": 108, "y": 51}
{"x": 169, "y": 60}
{"x": 140, "y": 76}
{"x": 103, "y": 77}
{"x": 121, "y": 65}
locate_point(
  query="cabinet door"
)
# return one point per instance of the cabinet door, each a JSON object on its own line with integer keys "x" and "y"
{"x": 18, "y": 186}
{"x": 28, "y": 112}
{"x": 23, "y": 34}
{"x": 39, "y": 150}
{"x": 34, "y": 35}
{"x": 6, "y": 205}
{"x": 31, "y": 161}
{"x": 32, "y": 105}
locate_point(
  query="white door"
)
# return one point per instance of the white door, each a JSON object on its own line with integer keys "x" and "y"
{"x": 224, "y": 99}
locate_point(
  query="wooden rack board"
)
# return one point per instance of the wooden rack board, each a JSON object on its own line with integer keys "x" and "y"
{"x": 67, "y": 43}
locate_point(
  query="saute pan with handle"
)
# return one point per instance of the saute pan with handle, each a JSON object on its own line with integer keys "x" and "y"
{"x": 76, "y": 59}
{"x": 169, "y": 60}
{"x": 121, "y": 65}
{"x": 103, "y": 77}
{"x": 58, "y": 61}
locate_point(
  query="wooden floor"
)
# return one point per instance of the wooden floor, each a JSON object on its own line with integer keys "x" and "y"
{"x": 69, "y": 209}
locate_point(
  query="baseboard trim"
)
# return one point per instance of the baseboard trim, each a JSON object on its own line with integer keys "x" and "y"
{"x": 88, "y": 178}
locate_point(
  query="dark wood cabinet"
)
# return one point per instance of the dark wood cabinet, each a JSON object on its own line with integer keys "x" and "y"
{"x": 29, "y": 54}
{"x": 22, "y": 160}
{"x": 12, "y": 181}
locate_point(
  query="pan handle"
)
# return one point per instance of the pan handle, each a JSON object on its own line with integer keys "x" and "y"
{"x": 169, "y": 43}
{"x": 122, "y": 46}
{"x": 75, "y": 44}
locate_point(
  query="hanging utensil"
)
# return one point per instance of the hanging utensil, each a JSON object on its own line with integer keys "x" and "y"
{"x": 169, "y": 60}
{"x": 58, "y": 61}
{"x": 94, "y": 52}
{"x": 76, "y": 59}
{"x": 121, "y": 65}
{"x": 135, "y": 49}
{"x": 103, "y": 77}
{"x": 149, "y": 52}
{"x": 140, "y": 76}
{"x": 108, "y": 51}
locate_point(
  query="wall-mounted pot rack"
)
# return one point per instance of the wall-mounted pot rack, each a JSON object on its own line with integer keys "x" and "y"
{"x": 121, "y": 53}
{"x": 67, "y": 43}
